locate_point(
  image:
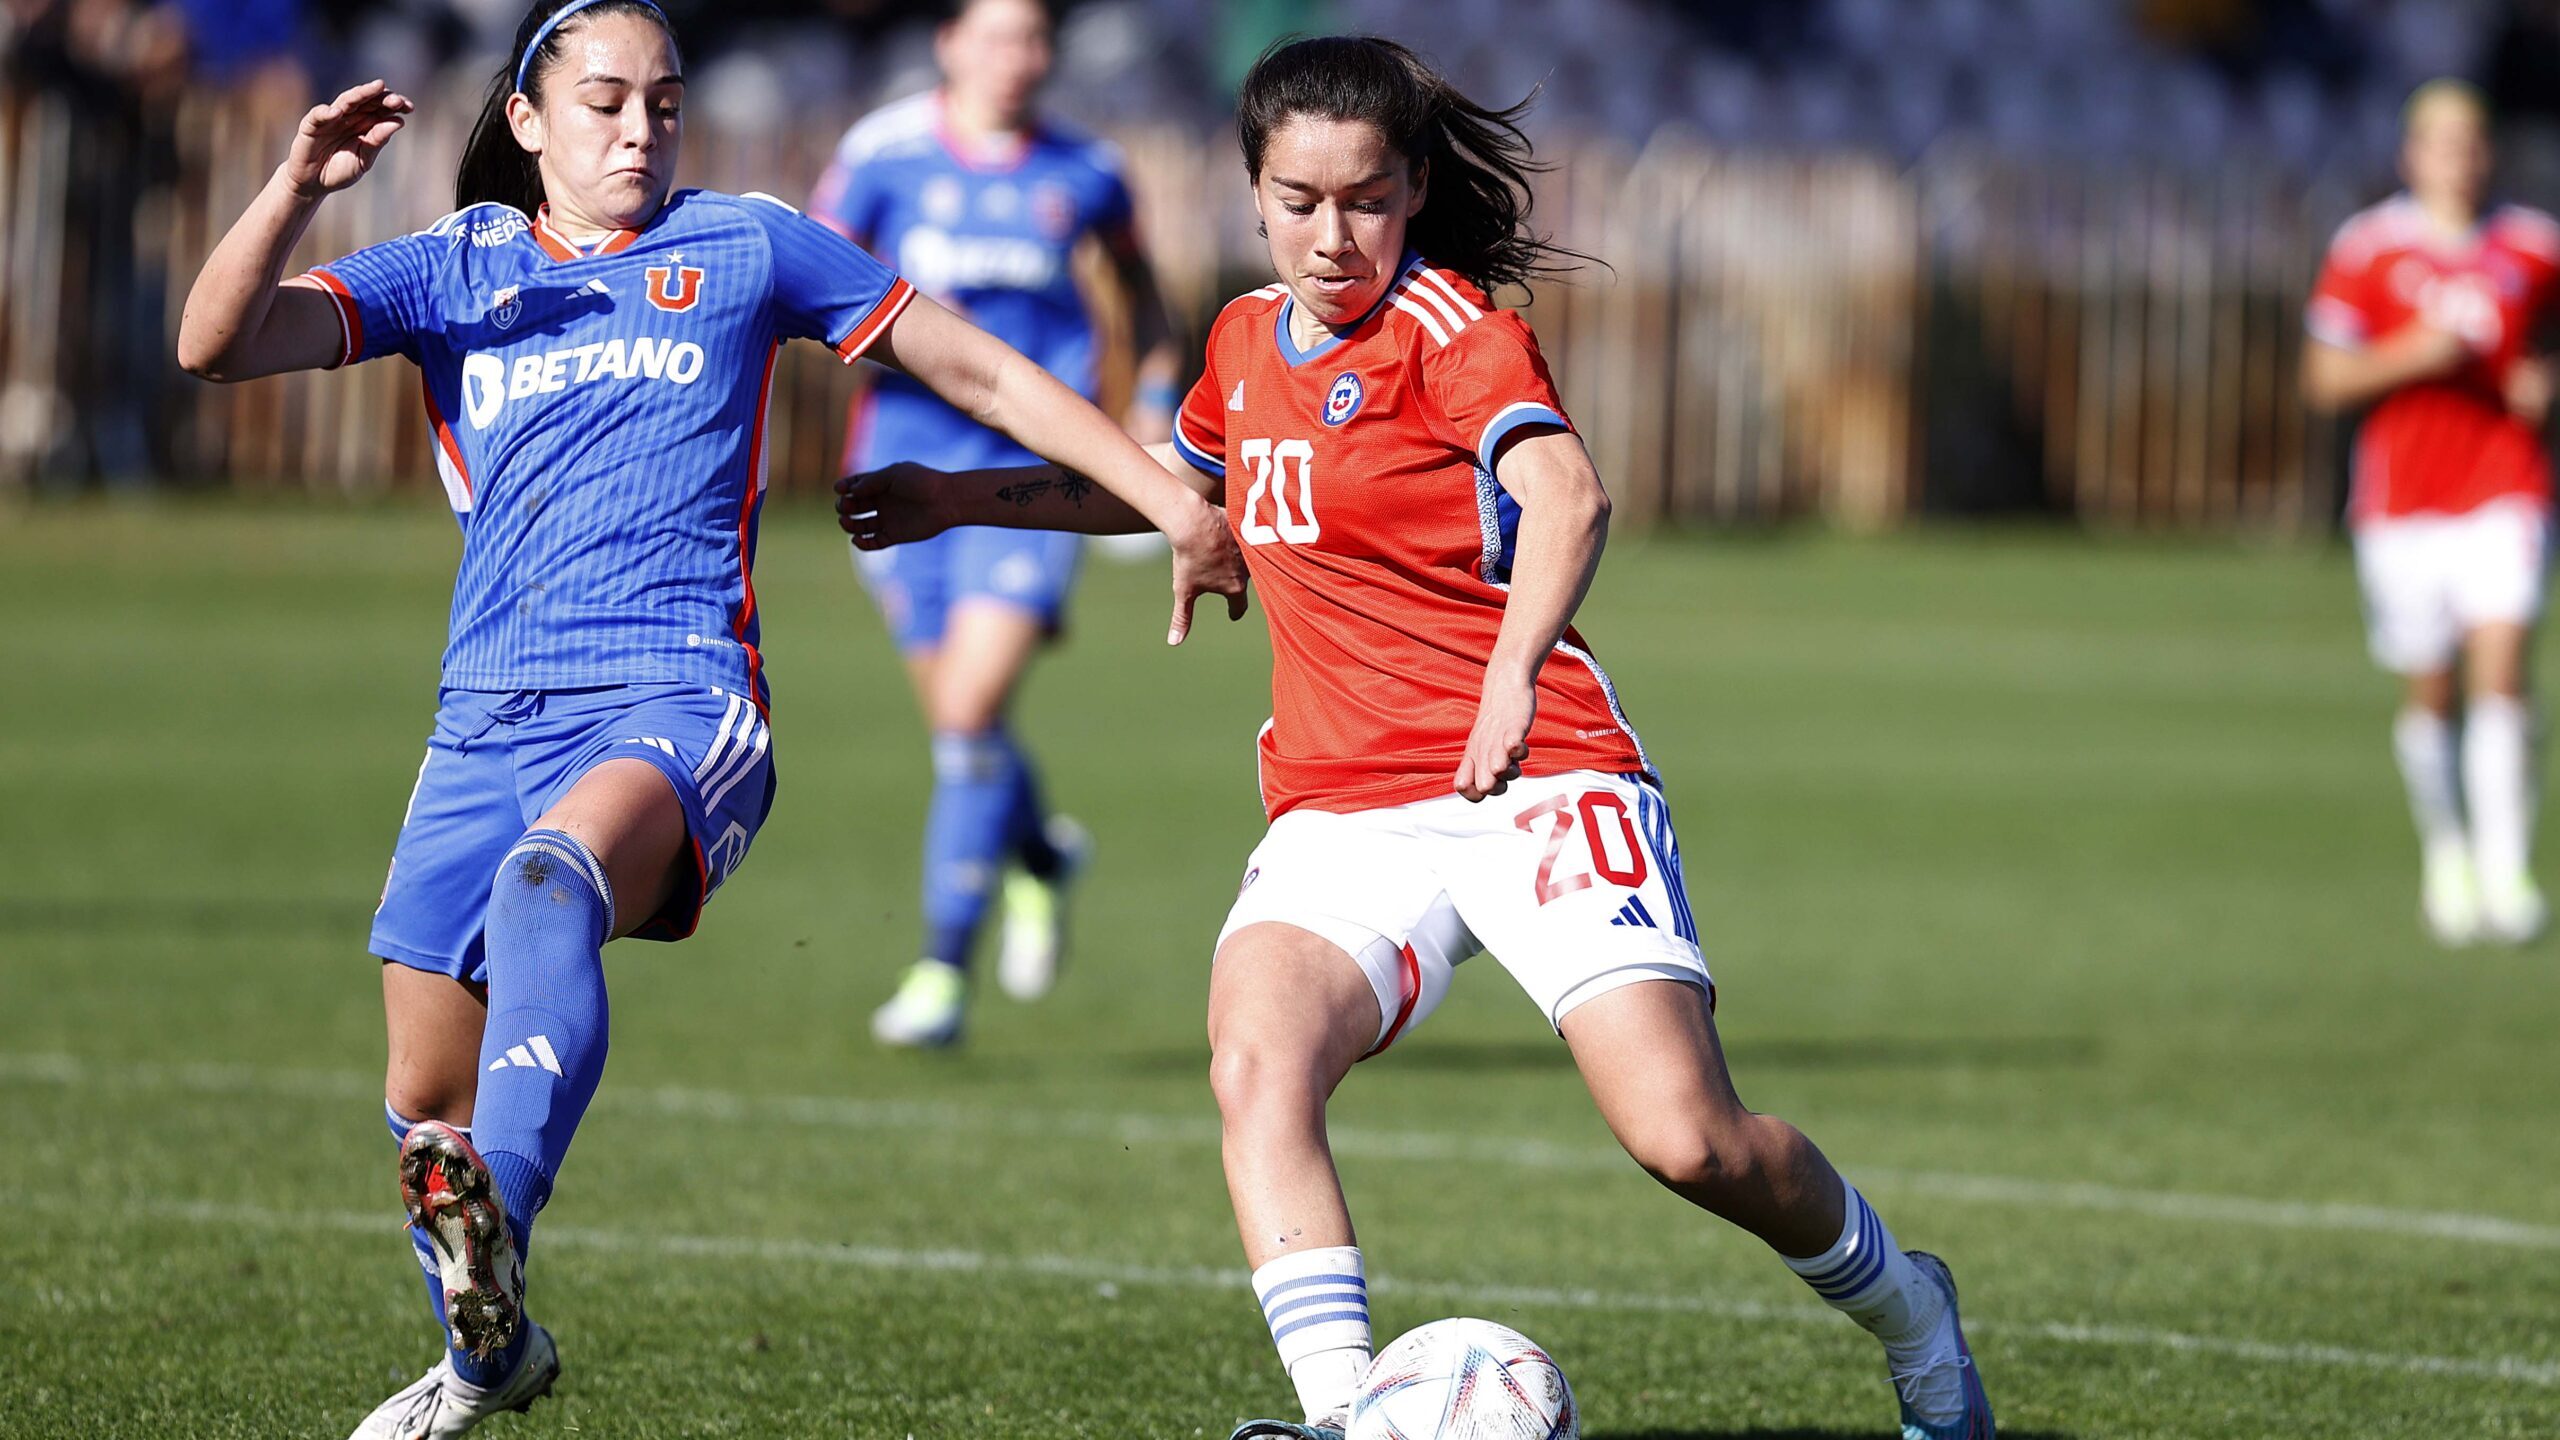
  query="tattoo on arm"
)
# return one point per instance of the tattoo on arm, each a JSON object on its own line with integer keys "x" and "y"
{"x": 1071, "y": 487}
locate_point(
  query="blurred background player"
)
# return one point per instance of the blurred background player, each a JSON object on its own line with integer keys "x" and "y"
{"x": 1422, "y": 522}
{"x": 2429, "y": 309}
{"x": 985, "y": 205}
{"x": 596, "y": 354}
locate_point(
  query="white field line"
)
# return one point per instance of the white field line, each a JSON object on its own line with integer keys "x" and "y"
{"x": 1429, "y": 1147}
{"x": 1085, "y": 1270}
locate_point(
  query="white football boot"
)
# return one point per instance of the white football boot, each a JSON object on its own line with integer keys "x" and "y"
{"x": 1035, "y": 914}
{"x": 2449, "y": 897}
{"x": 440, "y": 1404}
{"x": 926, "y": 1012}
{"x": 2512, "y": 910}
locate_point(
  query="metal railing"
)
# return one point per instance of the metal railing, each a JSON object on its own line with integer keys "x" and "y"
{"x": 1772, "y": 336}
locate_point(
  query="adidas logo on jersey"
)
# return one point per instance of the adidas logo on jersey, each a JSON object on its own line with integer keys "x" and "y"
{"x": 534, "y": 1054}
{"x": 488, "y": 383}
{"x": 1235, "y": 397}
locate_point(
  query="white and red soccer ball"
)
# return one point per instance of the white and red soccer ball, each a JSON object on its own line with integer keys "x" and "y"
{"x": 1464, "y": 1380}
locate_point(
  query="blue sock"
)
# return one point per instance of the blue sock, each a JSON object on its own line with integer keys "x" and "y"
{"x": 550, "y": 912}
{"x": 1031, "y": 822}
{"x": 969, "y": 831}
{"x": 400, "y": 1125}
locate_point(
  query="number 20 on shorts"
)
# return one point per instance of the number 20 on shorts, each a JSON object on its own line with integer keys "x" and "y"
{"x": 1275, "y": 464}
{"x": 1559, "y": 815}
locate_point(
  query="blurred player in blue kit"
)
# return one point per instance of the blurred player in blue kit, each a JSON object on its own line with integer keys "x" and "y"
{"x": 596, "y": 353}
{"x": 984, "y": 205}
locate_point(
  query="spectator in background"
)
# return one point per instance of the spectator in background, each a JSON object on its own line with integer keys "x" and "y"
{"x": 108, "y": 73}
{"x": 2427, "y": 310}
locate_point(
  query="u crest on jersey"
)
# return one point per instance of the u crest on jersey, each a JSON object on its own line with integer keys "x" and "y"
{"x": 676, "y": 287}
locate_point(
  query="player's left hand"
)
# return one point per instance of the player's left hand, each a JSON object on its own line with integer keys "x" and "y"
{"x": 1500, "y": 740}
{"x": 893, "y": 505}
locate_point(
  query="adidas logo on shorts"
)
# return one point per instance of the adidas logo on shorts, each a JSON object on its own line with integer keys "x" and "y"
{"x": 1634, "y": 913}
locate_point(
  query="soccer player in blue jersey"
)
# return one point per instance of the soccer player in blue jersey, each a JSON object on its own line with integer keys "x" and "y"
{"x": 596, "y": 353}
{"x": 982, "y": 204}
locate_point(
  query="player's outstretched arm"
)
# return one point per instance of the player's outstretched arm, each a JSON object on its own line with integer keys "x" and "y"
{"x": 995, "y": 385}
{"x": 1564, "y": 521}
{"x": 903, "y": 503}
{"x": 241, "y": 320}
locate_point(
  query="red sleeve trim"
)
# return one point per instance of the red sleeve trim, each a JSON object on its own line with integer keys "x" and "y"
{"x": 350, "y": 315}
{"x": 874, "y": 325}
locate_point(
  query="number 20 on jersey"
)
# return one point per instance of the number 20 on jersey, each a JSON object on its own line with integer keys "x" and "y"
{"x": 1280, "y": 467}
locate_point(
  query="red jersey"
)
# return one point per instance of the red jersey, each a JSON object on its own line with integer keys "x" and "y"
{"x": 2448, "y": 445}
{"x": 1359, "y": 481}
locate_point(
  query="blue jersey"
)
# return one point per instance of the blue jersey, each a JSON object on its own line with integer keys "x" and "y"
{"x": 598, "y": 417}
{"x": 992, "y": 241}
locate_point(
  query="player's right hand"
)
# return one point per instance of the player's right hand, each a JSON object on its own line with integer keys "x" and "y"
{"x": 2528, "y": 389}
{"x": 893, "y": 505}
{"x": 338, "y": 142}
{"x": 1206, "y": 561}
{"x": 2436, "y": 351}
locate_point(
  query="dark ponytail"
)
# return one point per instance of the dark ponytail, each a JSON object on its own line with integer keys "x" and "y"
{"x": 1477, "y": 164}
{"x": 494, "y": 166}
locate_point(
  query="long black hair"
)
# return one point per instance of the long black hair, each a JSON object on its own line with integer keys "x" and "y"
{"x": 1475, "y": 161}
{"x": 494, "y": 166}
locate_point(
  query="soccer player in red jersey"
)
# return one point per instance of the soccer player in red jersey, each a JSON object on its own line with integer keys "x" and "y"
{"x": 1447, "y": 767}
{"x": 2427, "y": 310}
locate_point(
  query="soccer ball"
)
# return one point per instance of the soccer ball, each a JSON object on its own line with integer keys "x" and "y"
{"x": 1464, "y": 1380}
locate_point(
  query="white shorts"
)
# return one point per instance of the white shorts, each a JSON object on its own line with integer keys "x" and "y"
{"x": 2429, "y": 579}
{"x": 1572, "y": 881}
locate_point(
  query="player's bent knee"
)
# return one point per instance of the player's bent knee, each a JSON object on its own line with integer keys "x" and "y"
{"x": 1252, "y": 1075}
{"x": 545, "y": 872}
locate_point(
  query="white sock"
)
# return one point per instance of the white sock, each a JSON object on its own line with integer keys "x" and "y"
{"x": 2423, "y": 744}
{"x": 1317, "y": 1305}
{"x": 2497, "y": 780}
{"x": 1866, "y": 1277}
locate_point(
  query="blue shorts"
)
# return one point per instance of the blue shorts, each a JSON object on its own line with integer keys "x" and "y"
{"x": 499, "y": 759}
{"x": 916, "y": 585}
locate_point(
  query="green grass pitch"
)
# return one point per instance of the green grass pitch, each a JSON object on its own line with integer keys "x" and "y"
{"x": 2060, "y": 889}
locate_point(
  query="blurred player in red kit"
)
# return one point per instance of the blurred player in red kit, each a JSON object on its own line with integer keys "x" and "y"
{"x": 2427, "y": 310}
